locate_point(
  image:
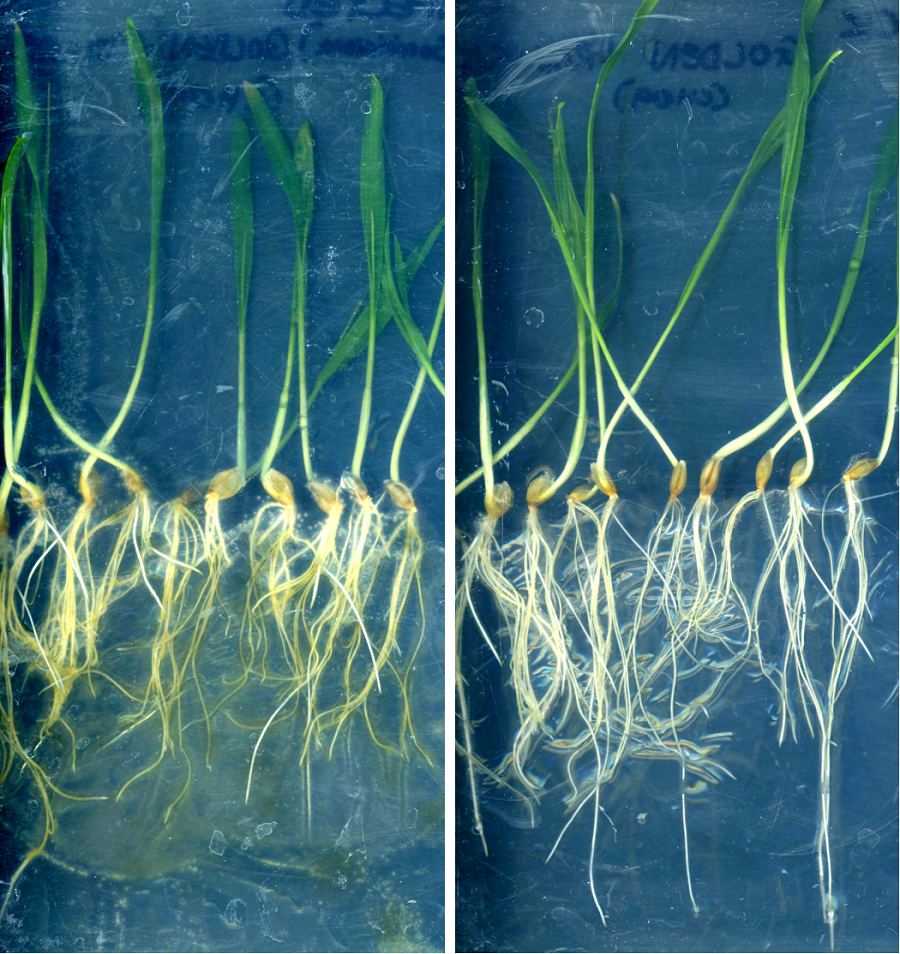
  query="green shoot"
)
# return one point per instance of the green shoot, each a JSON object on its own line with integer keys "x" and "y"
{"x": 480, "y": 147}
{"x": 28, "y": 114}
{"x": 637, "y": 21}
{"x": 408, "y": 328}
{"x": 798, "y": 97}
{"x": 416, "y": 392}
{"x": 38, "y": 242}
{"x": 372, "y": 206}
{"x": 491, "y": 123}
{"x": 834, "y": 394}
{"x": 885, "y": 169}
{"x": 303, "y": 163}
{"x": 353, "y": 340}
{"x": 892, "y": 406}
{"x": 525, "y": 429}
{"x": 6, "y": 264}
{"x": 295, "y": 171}
{"x": 150, "y": 101}
{"x": 242, "y": 228}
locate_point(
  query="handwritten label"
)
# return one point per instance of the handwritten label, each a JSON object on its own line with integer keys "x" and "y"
{"x": 364, "y": 9}
{"x": 716, "y": 56}
{"x": 311, "y": 41}
{"x": 691, "y": 62}
{"x": 629, "y": 95}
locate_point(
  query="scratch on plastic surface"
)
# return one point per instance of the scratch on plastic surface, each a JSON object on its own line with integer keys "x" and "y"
{"x": 531, "y": 70}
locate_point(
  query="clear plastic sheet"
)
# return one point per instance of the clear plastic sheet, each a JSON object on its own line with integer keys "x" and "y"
{"x": 678, "y": 120}
{"x": 230, "y": 819}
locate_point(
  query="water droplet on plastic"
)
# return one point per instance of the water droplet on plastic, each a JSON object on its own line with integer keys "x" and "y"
{"x": 304, "y": 96}
{"x": 229, "y": 88}
{"x": 127, "y": 301}
{"x": 236, "y": 912}
{"x": 539, "y": 238}
{"x": 217, "y": 843}
{"x": 534, "y": 317}
{"x": 650, "y": 311}
{"x": 265, "y": 828}
{"x": 440, "y": 473}
{"x": 854, "y": 265}
{"x": 11, "y": 660}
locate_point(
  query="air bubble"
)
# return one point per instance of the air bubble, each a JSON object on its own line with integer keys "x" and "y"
{"x": 440, "y": 473}
{"x": 534, "y": 317}
{"x": 366, "y": 107}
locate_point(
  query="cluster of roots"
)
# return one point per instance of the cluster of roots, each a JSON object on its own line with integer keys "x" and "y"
{"x": 621, "y": 645}
{"x": 322, "y": 615}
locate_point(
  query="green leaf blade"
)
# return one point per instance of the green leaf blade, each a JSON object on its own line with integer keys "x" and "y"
{"x": 27, "y": 113}
{"x": 371, "y": 183}
{"x": 420, "y": 253}
{"x": 570, "y": 215}
{"x": 885, "y": 167}
{"x": 491, "y": 123}
{"x": 304, "y": 167}
{"x": 643, "y": 11}
{"x": 480, "y": 150}
{"x": 414, "y": 338}
{"x": 7, "y": 195}
{"x": 277, "y": 149}
{"x": 351, "y": 344}
{"x": 150, "y": 100}
{"x": 241, "y": 212}
{"x": 354, "y": 339}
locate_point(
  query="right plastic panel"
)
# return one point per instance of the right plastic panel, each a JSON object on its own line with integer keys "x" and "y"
{"x": 677, "y": 707}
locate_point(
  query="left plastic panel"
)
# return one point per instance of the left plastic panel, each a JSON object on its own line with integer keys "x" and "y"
{"x": 221, "y": 721}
